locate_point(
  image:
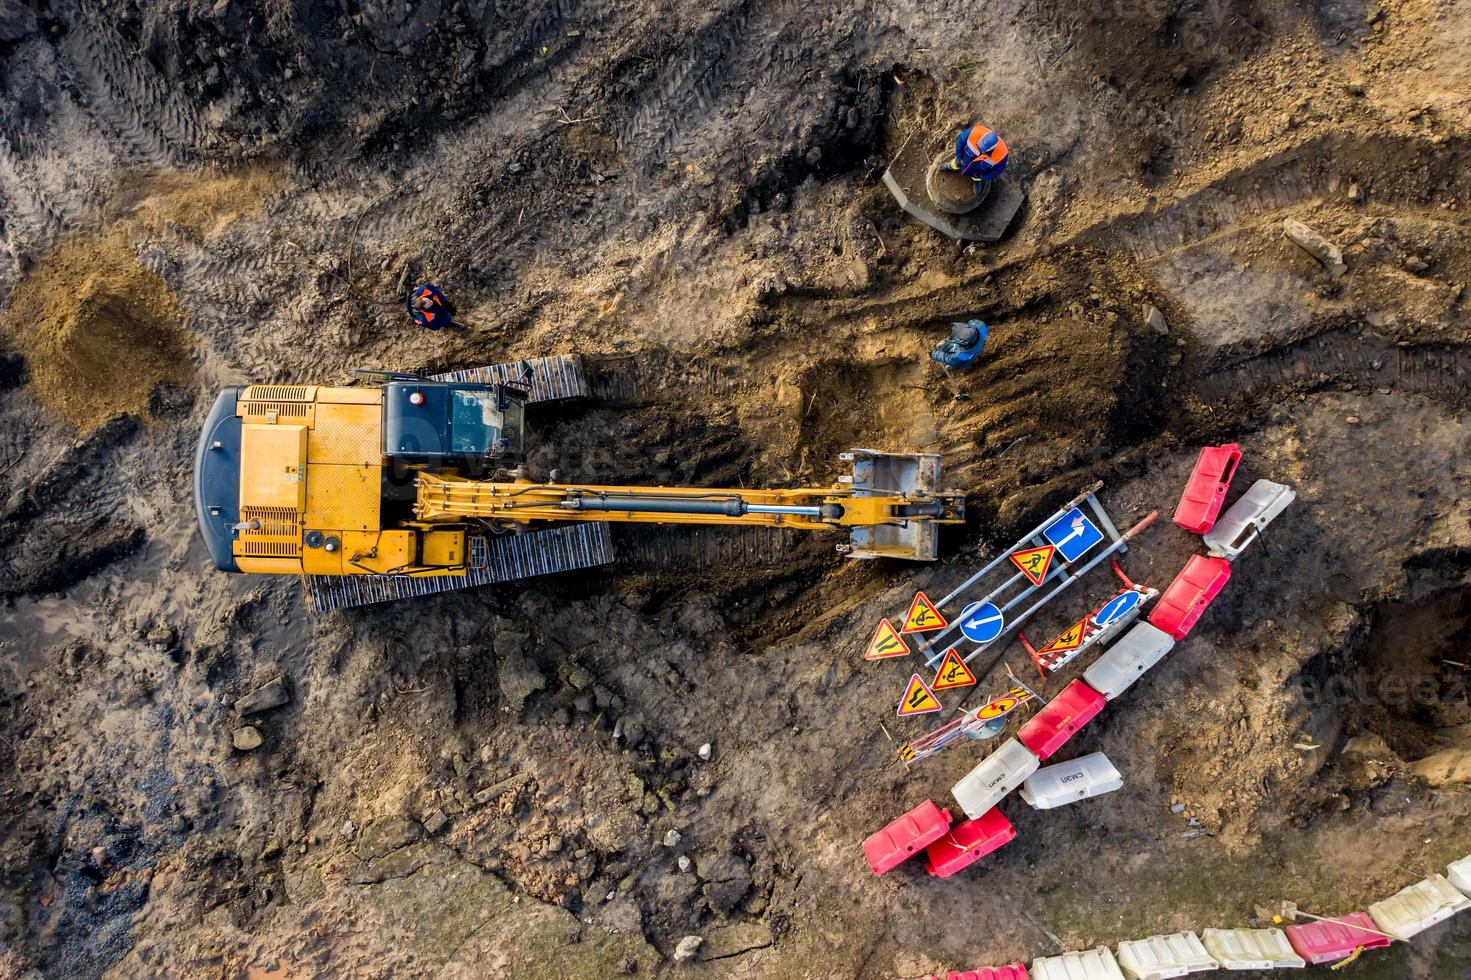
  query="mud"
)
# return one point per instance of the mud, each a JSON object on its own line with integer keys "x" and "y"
{"x": 483, "y": 784}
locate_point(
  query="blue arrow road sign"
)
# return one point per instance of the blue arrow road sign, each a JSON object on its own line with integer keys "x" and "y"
{"x": 1116, "y": 608}
{"x": 1072, "y": 534}
{"x": 981, "y": 622}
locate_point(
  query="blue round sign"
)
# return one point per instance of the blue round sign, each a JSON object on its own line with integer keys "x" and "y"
{"x": 981, "y": 622}
{"x": 1116, "y": 608}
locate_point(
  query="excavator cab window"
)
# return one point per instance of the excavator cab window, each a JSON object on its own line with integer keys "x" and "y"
{"x": 487, "y": 423}
{"x": 475, "y": 423}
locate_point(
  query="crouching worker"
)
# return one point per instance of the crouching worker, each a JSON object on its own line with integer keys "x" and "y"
{"x": 962, "y": 349}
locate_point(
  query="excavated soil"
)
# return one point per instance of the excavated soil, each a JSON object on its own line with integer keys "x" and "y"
{"x": 507, "y": 782}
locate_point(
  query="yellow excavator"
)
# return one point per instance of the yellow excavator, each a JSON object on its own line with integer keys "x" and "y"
{"x": 406, "y": 485}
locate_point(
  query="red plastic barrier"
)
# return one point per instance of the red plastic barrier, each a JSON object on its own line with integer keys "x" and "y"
{"x": 1189, "y": 594}
{"x": 1326, "y": 942}
{"x": 1051, "y": 727}
{"x": 968, "y": 842}
{"x": 1015, "y": 971}
{"x": 890, "y": 847}
{"x": 1206, "y": 489}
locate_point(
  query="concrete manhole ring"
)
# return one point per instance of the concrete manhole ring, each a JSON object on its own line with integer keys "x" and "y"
{"x": 950, "y": 191}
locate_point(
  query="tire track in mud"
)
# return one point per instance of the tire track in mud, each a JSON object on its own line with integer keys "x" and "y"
{"x": 688, "y": 87}
{"x": 1292, "y": 177}
{"x": 127, "y": 97}
{"x": 1344, "y": 355}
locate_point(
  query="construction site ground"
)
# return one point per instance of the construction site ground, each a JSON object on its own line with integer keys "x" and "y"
{"x": 196, "y": 195}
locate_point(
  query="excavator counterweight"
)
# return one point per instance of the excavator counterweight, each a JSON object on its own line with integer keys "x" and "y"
{"x": 409, "y": 479}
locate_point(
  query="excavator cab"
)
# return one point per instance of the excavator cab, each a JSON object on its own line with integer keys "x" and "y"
{"x": 438, "y": 423}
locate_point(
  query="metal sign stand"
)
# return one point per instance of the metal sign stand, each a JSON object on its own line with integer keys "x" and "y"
{"x": 1099, "y": 626}
{"x": 1071, "y": 533}
{"x": 979, "y": 723}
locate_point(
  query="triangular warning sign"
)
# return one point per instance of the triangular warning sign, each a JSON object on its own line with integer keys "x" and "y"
{"x": 1071, "y": 639}
{"x": 922, "y": 616}
{"x": 918, "y": 699}
{"x": 952, "y": 673}
{"x": 886, "y": 643}
{"x": 1034, "y": 562}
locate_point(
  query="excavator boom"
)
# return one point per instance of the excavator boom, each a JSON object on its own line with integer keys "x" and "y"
{"x": 443, "y": 497}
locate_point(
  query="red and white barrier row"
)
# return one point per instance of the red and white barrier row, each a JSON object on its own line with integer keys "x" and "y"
{"x": 1406, "y": 914}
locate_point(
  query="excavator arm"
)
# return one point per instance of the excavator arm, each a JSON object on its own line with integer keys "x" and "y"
{"x": 888, "y": 504}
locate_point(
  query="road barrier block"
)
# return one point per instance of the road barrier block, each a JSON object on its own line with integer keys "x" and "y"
{"x": 1090, "y": 964}
{"x": 1188, "y": 596}
{"x": 1051, "y": 727}
{"x": 1015, "y": 971}
{"x": 1251, "y": 949}
{"x": 1068, "y": 782}
{"x": 998, "y": 774}
{"x": 1126, "y": 661}
{"x": 1458, "y": 873}
{"x": 968, "y": 842}
{"x": 1205, "y": 491}
{"x": 897, "y": 842}
{"x": 1162, "y": 957}
{"x": 1417, "y": 907}
{"x": 1245, "y": 519}
{"x": 1329, "y": 942}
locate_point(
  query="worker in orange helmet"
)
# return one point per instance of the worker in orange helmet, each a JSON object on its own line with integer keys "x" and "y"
{"x": 980, "y": 154}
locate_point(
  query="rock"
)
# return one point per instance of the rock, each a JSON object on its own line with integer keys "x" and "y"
{"x": 1177, "y": 808}
{"x": 519, "y": 678}
{"x": 579, "y": 678}
{"x": 1416, "y": 264}
{"x": 271, "y": 694}
{"x": 706, "y": 751}
{"x": 348, "y": 829}
{"x": 727, "y": 880}
{"x": 99, "y": 856}
{"x": 246, "y": 739}
{"x": 1156, "y": 320}
{"x": 508, "y": 643}
{"x": 1355, "y": 193}
{"x": 673, "y": 838}
{"x": 1445, "y": 768}
{"x": 687, "y": 949}
{"x": 684, "y": 862}
{"x": 1315, "y": 245}
{"x": 584, "y": 703}
{"x": 435, "y": 821}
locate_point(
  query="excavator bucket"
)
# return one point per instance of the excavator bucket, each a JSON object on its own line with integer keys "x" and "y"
{"x": 915, "y": 476}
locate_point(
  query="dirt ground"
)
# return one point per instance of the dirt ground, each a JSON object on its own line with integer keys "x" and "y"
{"x": 200, "y": 194}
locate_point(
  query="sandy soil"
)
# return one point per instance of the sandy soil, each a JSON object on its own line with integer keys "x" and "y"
{"x": 195, "y": 194}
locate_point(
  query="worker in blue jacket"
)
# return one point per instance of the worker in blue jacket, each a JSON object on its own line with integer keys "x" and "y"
{"x": 429, "y": 307}
{"x": 962, "y": 349}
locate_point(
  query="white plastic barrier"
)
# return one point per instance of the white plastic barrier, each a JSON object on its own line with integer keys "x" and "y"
{"x": 1091, "y": 964}
{"x": 1245, "y": 519}
{"x": 1251, "y": 949}
{"x": 1067, "y": 782}
{"x": 998, "y": 774}
{"x": 1459, "y": 874}
{"x": 1413, "y": 909}
{"x": 1162, "y": 957}
{"x": 1135, "y": 652}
